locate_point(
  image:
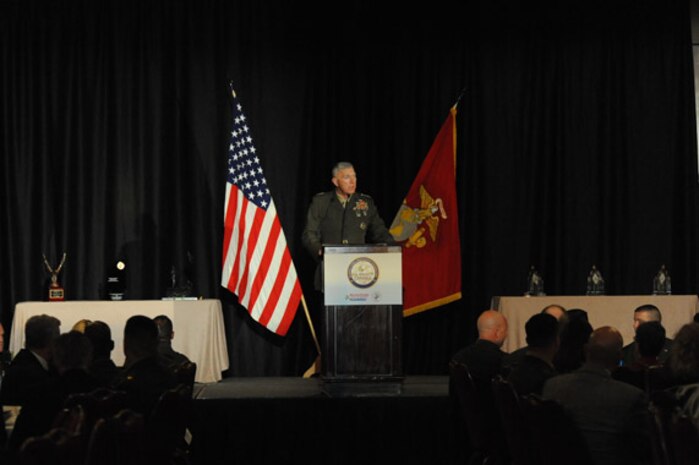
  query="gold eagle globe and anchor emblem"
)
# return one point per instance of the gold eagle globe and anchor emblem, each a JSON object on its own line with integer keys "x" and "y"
{"x": 411, "y": 224}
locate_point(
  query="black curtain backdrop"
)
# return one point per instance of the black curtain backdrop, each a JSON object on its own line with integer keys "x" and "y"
{"x": 576, "y": 143}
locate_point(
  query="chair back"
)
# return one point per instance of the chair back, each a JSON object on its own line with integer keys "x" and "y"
{"x": 516, "y": 429}
{"x": 100, "y": 403}
{"x": 118, "y": 440}
{"x": 185, "y": 374}
{"x": 168, "y": 424}
{"x": 675, "y": 437}
{"x": 57, "y": 447}
{"x": 470, "y": 406}
{"x": 555, "y": 438}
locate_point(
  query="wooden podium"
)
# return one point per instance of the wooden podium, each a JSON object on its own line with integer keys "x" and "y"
{"x": 362, "y": 320}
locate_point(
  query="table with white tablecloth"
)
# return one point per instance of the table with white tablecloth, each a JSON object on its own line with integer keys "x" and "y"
{"x": 198, "y": 325}
{"x": 616, "y": 311}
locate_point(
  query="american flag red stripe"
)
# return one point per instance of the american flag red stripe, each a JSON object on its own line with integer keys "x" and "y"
{"x": 257, "y": 265}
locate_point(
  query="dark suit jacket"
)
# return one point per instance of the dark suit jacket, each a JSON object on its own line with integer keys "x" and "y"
{"x": 611, "y": 415}
{"x": 629, "y": 352}
{"x": 104, "y": 371}
{"x": 484, "y": 360}
{"x": 25, "y": 380}
{"x": 169, "y": 357}
{"x": 144, "y": 382}
{"x": 530, "y": 374}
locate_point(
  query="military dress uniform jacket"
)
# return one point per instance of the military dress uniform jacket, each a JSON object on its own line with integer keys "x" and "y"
{"x": 328, "y": 222}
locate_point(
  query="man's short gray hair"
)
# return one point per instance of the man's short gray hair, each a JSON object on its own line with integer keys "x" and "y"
{"x": 343, "y": 165}
{"x": 40, "y": 331}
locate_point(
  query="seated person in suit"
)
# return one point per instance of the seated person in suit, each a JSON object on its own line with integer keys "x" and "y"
{"x": 168, "y": 356}
{"x": 484, "y": 360}
{"x": 536, "y": 366}
{"x": 143, "y": 378}
{"x": 102, "y": 368}
{"x": 484, "y": 357}
{"x": 27, "y": 381}
{"x": 30, "y": 369}
{"x": 647, "y": 371}
{"x": 612, "y": 416}
{"x": 71, "y": 356}
{"x": 641, "y": 315}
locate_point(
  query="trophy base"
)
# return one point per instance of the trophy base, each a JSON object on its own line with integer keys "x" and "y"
{"x": 116, "y": 296}
{"x": 56, "y": 294}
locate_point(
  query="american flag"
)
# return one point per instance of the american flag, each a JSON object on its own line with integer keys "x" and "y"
{"x": 257, "y": 265}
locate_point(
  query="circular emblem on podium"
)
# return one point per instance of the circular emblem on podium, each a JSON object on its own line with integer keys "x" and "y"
{"x": 363, "y": 272}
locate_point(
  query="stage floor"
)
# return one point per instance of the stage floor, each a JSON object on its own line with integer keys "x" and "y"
{"x": 291, "y": 421}
{"x": 292, "y": 388}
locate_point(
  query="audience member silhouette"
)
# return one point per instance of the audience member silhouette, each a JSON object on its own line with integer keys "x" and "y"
{"x": 484, "y": 357}
{"x": 556, "y": 311}
{"x": 641, "y": 315}
{"x": 611, "y": 415}
{"x": 143, "y": 378}
{"x": 571, "y": 354}
{"x": 484, "y": 360}
{"x": 102, "y": 367}
{"x": 683, "y": 363}
{"x": 647, "y": 371}
{"x": 530, "y": 374}
{"x": 27, "y": 381}
{"x": 30, "y": 369}
{"x": 168, "y": 356}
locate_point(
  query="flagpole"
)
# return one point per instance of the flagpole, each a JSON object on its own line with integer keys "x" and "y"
{"x": 315, "y": 366}
{"x": 458, "y": 100}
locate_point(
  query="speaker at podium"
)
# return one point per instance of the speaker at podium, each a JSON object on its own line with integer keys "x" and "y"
{"x": 361, "y": 339}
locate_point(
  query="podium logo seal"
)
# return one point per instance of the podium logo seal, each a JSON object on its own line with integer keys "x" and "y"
{"x": 363, "y": 272}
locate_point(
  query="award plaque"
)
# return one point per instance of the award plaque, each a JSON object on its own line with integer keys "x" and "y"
{"x": 662, "y": 284}
{"x": 116, "y": 286}
{"x": 595, "y": 282}
{"x": 535, "y": 284}
{"x": 56, "y": 292}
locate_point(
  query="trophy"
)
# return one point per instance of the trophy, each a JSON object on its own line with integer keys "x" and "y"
{"x": 595, "y": 282}
{"x": 535, "y": 283}
{"x": 181, "y": 286}
{"x": 56, "y": 292}
{"x": 116, "y": 285}
{"x": 662, "y": 284}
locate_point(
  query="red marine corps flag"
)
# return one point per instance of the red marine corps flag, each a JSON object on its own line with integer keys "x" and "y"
{"x": 427, "y": 226}
{"x": 257, "y": 266}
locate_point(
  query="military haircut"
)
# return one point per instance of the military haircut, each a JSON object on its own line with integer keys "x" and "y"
{"x": 541, "y": 330}
{"x": 100, "y": 336}
{"x": 339, "y": 166}
{"x": 650, "y": 338}
{"x": 164, "y": 326}
{"x": 141, "y": 333}
{"x": 652, "y": 309}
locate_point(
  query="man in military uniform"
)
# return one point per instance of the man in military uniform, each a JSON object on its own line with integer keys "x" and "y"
{"x": 342, "y": 216}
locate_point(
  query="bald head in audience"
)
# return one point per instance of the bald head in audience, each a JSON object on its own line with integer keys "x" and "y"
{"x": 604, "y": 347}
{"x": 492, "y": 326}
{"x": 555, "y": 311}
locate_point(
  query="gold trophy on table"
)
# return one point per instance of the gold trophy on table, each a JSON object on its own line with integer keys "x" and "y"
{"x": 56, "y": 292}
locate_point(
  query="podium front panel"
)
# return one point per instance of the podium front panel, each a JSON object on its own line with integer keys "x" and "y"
{"x": 362, "y": 342}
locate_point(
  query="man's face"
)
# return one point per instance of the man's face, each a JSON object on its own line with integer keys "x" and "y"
{"x": 2, "y": 337}
{"x": 345, "y": 181}
{"x": 641, "y": 317}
